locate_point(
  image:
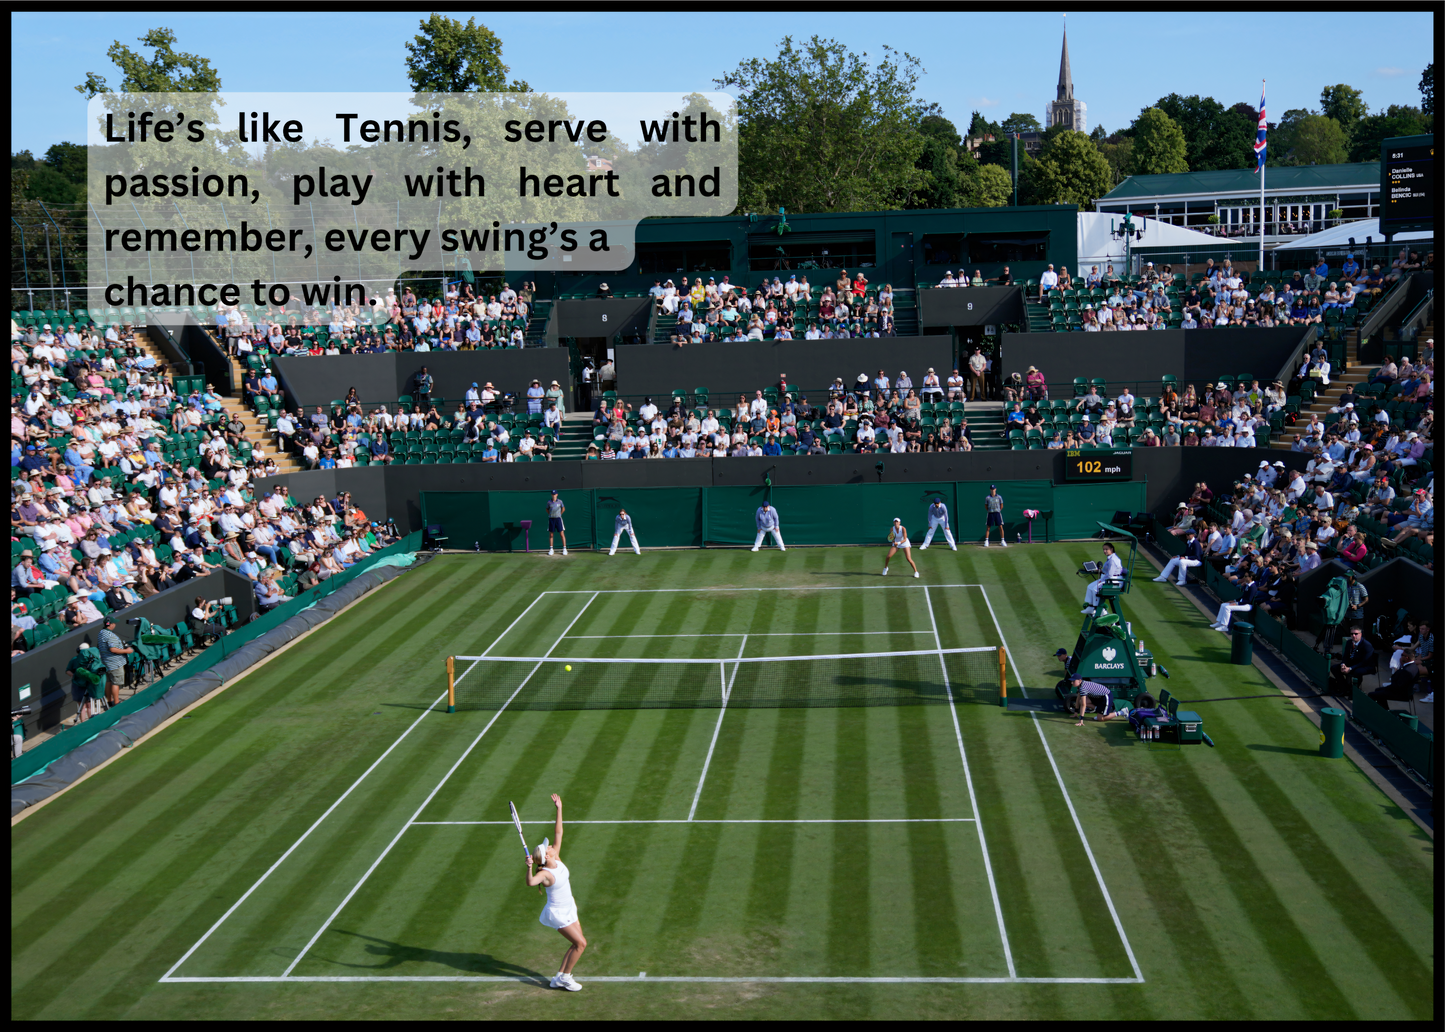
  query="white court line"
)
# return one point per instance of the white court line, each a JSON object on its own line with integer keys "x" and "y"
{"x": 748, "y": 634}
{"x": 425, "y": 802}
{"x": 968, "y": 779}
{"x": 746, "y": 820}
{"x": 1078, "y": 825}
{"x": 330, "y": 808}
{"x": 795, "y": 587}
{"x": 748, "y": 659}
{"x": 727, "y": 690}
{"x": 541, "y": 979}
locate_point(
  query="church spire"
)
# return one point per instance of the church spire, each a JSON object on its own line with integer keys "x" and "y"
{"x": 1066, "y": 80}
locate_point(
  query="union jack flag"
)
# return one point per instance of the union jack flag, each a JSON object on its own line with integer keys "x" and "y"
{"x": 1259, "y": 141}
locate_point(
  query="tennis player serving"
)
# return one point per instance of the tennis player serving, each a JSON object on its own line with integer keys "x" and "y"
{"x": 898, "y": 539}
{"x": 561, "y": 909}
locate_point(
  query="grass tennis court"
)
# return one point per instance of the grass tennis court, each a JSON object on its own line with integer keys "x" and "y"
{"x": 836, "y": 837}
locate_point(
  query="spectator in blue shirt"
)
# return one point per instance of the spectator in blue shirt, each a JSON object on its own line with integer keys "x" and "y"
{"x": 771, "y": 447}
{"x": 489, "y": 454}
{"x": 1086, "y": 430}
{"x": 380, "y": 451}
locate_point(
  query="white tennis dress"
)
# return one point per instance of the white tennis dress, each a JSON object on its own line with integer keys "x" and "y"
{"x": 898, "y": 537}
{"x": 561, "y": 908}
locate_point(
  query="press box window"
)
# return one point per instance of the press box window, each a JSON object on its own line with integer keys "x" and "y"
{"x": 669, "y": 259}
{"x": 1018, "y": 247}
{"x": 943, "y": 248}
{"x": 802, "y": 251}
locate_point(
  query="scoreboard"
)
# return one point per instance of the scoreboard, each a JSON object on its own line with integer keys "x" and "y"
{"x": 1098, "y": 464}
{"x": 1407, "y": 184}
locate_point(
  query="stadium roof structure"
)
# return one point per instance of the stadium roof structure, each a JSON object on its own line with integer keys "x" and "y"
{"x": 1339, "y": 236}
{"x": 1363, "y": 175}
{"x": 1098, "y": 246}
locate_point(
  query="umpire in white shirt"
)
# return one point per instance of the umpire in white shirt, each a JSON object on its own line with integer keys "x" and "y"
{"x": 768, "y": 522}
{"x": 623, "y": 525}
{"x": 1112, "y": 573}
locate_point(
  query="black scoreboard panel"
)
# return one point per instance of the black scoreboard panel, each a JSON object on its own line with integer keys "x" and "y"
{"x": 1098, "y": 464}
{"x": 1407, "y": 184}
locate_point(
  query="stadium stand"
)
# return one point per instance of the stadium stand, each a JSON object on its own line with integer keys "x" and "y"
{"x": 127, "y": 480}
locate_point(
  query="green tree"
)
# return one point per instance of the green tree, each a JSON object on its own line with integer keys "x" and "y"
{"x": 1427, "y": 89}
{"x": 940, "y": 160}
{"x": 1216, "y": 137}
{"x": 821, "y": 130}
{"x": 1373, "y": 130}
{"x": 1118, "y": 151}
{"x": 1020, "y": 123}
{"x": 166, "y": 71}
{"x": 989, "y": 187}
{"x": 980, "y": 126}
{"x": 1345, "y": 104}
{"x": 1305, "y": 138}
{"x": 68, "y": 159}
{"x": 449, "y": 57}
{"x": 1070, "y": 171}
{"x": 1158, "y": 145}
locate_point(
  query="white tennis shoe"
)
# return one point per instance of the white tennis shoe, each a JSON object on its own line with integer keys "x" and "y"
{"x": 569, "y": 983}
{"x": 915, "y": 573}
{"x": 885, "y": 571}
{"x": 564, "y": 551}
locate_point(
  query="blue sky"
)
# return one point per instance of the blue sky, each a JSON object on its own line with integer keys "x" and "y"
{"x": 972, "y": 60}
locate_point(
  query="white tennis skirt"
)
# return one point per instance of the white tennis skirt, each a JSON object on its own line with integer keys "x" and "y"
{"x": 558, "y": 918}
{"x": 905, "y": 543}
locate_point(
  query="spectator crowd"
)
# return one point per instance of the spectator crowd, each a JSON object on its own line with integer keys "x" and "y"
{"x": 775, "y": 310}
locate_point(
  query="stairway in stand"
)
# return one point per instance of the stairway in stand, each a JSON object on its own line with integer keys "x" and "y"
{"x": 256, "y": 431}
{"x": 985, "y": 422}
{"x": 1352, "y": 375}
{"x": 576, "y": 436}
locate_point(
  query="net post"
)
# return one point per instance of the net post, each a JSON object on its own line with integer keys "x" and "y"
{"x": 451, "y": 685}
{"x": 1002, "y": 679}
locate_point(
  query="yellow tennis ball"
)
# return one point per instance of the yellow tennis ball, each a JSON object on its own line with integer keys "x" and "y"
{"x": 568, "y": 667}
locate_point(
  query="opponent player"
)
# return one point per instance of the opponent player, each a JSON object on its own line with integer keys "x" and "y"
{"x": 993, "y": 505}
{"x": 768, "y": 523}
{"x": 938, "y": 520}
{"x": 898, "y": 539}
{"x": 561, "y": 909}
{"x": 555, "y": 509}
{"x": 623, "y": 525}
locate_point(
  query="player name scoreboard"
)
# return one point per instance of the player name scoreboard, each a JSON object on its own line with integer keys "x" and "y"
{"x": 1097, "y": 464}
{"x": 1407, "y": 184}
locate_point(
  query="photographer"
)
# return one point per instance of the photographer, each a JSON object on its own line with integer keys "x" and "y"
{"x": 203, "y": 623}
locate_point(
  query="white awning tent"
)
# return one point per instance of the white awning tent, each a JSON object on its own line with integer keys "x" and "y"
{"x": 1339, "y": 236}
{"x": 1097, "y": 245}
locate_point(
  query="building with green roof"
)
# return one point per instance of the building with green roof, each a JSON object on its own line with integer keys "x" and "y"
{"x": 1297, "y": 200}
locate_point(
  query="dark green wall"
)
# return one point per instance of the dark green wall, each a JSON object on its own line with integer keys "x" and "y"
{"x": 825, "y": 514}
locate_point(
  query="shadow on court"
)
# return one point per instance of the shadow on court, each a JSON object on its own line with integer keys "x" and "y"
{"x": 1284, "y": 749}
{"x": 393, "y": 954}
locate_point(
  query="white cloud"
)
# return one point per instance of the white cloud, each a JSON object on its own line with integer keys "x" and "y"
{"x": 1391, "y": 72}
{"x": 986, "y": 102}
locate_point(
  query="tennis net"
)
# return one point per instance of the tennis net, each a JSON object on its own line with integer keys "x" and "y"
{"x": 906, "y": 678}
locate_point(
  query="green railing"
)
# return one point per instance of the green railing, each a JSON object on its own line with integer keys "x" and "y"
{"x": 1414, "y": 747}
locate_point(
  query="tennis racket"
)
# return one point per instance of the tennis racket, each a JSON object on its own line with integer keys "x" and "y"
{"x": 518, "y": 822}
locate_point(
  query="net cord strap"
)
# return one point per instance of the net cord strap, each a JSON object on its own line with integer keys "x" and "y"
{"x": 730, "y": 661}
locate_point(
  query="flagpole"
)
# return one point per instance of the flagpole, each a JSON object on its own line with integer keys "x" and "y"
{"x": 1261, "y": 193}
